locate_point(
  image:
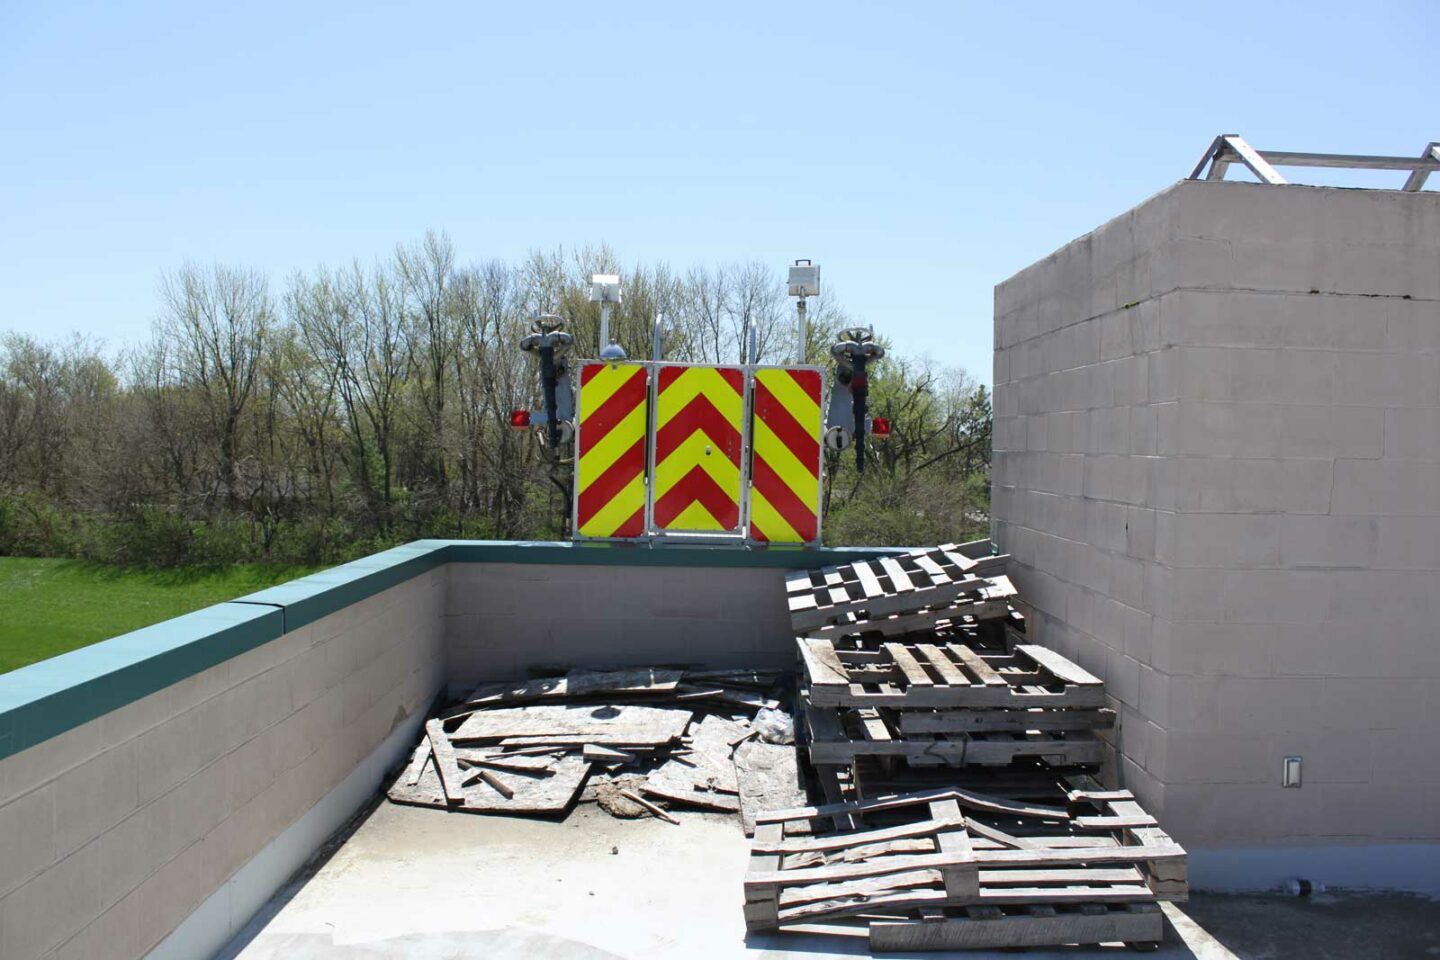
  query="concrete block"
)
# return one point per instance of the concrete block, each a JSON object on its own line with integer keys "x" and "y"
{"x": 1197, "y": 593}
{"x": 27, "y": 837}
{"x": 1413, "y": 432}
{"x": 1211, "y": 758}
{"x": 1290, "y": 375}
{"x": 1394, "y": 379}
{"x": 1328, "y": 541}
{"x": 1408, "y": 543}
{"x": 1189, "y": 262}
{"x": 1330, "y": 431}
{"x": 1412, "y": 325}
{"x": 1230, "y": 540}
{"x": 1290, "y": 596}
{"x": 1210, "y": 648}
{"x": 94, "y": 797}
{"x": 49, "y": 909}
{"x": 1280, "y": 486}
{"x": 1393, "y": 487}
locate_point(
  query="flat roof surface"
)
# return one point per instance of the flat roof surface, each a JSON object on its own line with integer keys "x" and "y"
{"x": 413, "y": 883}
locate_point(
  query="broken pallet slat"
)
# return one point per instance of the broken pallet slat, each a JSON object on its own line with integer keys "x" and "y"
{"x": 1001, "y": 932}
{"x": 445, "y": 761}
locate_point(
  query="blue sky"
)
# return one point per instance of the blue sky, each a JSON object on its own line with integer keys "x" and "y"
{"x": 920, "y": 152}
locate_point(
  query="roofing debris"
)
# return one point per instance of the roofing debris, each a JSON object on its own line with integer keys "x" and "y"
{"x": 635, "y": 741}
{"x": 955, "y": 758}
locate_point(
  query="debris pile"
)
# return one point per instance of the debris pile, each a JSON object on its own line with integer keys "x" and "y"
{"x": 956, "y": 757}
{"x": 956, "y": 869}
{"x": 635, "y": 741}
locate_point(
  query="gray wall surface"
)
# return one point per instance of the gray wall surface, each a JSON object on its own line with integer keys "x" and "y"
{"x": 504, "y": 618}
{"x": 113, "y": 832}
{"x": 1217, "y": 465}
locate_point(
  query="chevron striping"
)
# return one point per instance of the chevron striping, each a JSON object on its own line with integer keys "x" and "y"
{"x": 680, "y": 385}
{"x": 609, "y": 484}
{"x": 698, "y": 443}
{"x": 799, "y": 515}
{"x": 696, "y": 487}
{"x": 782, "y": 460}
{"x": 767, "y": 524}
{"x": 614, "y": 398}
{"x": 785, "y": 468}
{"x": 610, "y": 463}
{"x": 699, "y": 416}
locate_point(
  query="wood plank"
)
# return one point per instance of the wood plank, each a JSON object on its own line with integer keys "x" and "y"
{"x": 596, "y": 753}
{"x": 763, "y": 911}
{"x": 840, "y": 841}
{"x": 631, "y": 795}
{"x": 852, "y": 871}
{"x": 658, "y": 724}
{"x": 822, "y": 666}
{"x": 1005, "y": 697}
{"x": 445, "y": 763}
{"x": 949, "y": 673}
{"x": 1056, "y": 857}
{"x": 869, "y": 583}
{"x": 418, "y": 761}
{"x": 1062, "y": 668}
{"x": 547, "y": 795}
{"x": 1079, "y": 749}
{"x": 1005, "y": 840}
{"x": 1016, "y": 931}
{"x": 967, "y": 798}
{"x": 897, "y": 574}
{"x": 1041, "y": 878}
{"x": 915, "y": 674}
{"x": 962, "y": 881}
{"x": 993, "y": 720}
{"x": 976, "y": 664}
{"x": 1077, "y": 796}
{"x": 768, "y": 777}
{"x": 1116, "y": 822}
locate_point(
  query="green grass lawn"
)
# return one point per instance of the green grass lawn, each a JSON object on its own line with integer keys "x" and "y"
{"x": 50, "y": 606}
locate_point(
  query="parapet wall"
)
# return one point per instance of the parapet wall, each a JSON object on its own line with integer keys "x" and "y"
{"x": 1217, "y": 465}
{"x": 157, "y": 788}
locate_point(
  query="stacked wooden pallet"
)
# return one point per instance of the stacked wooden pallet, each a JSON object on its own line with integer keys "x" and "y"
{"x": 934, "y": 703}
{"x": 954, "y": 869}
{"x": 892, "y": 596}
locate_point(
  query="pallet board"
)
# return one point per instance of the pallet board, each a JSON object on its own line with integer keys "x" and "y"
{"x": 984, "y": 871}
{"x": 933, "y": 578}
{"x": 841, "y": 736}
{"x": 925, "y": 675}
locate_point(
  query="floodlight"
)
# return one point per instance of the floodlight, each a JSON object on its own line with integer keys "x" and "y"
{"x": 605, "y": 288}
{"x": 804, "y": 279}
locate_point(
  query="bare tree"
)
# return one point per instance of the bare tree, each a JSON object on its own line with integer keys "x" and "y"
{"x": 215, "y": 326}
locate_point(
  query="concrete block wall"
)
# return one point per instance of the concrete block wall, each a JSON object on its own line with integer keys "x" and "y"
{"x": 1217, "y": 464}
{"x": 503, "y": 619}
{"x": 114, "y": 831}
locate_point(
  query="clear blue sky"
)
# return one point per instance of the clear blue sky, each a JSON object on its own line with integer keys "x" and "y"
{"x": 920, "y": 152}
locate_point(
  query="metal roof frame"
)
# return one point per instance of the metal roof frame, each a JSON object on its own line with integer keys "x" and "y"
{"x": 1231, "y": 148}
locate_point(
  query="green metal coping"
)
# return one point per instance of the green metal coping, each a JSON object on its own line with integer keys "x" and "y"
{"x": 45, "y": 699}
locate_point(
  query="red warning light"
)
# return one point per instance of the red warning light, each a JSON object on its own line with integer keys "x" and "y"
{"x": 519, "y": 419}
{"x": 880, "y": 426}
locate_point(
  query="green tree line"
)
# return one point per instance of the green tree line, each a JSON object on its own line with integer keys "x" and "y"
{"x": 349, "y": 409}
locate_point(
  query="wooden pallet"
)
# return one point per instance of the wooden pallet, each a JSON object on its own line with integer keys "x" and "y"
{"x": 945, "y": 859}
{"x": 925, "y": 675}
{"x": 937, "y": 578}
{"x": 1034, "y": 925}
{"x": 839, "y": 736}
{"x": 989, "y": 602}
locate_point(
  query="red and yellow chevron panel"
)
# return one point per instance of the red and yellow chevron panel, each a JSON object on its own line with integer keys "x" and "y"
{"x": 610, "y": 450}
{"x": 699, "y": 419}
{"x": 785, "y": 463}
